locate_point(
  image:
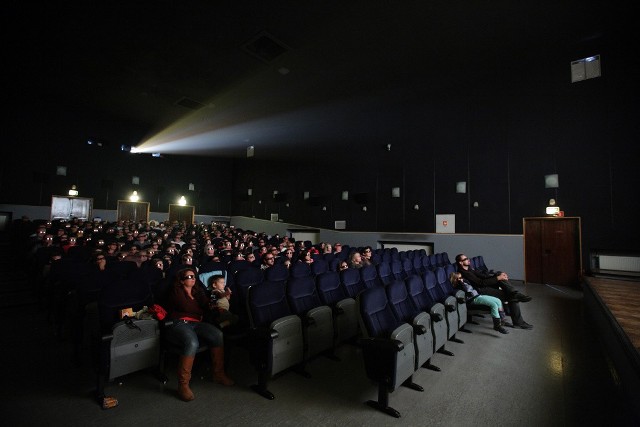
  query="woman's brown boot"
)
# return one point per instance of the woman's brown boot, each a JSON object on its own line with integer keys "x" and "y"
{"x": 217, "y": 359}
{"x": 185, "y": 364}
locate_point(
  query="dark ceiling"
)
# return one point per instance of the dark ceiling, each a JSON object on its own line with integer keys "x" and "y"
{"x": 212, "y": 77}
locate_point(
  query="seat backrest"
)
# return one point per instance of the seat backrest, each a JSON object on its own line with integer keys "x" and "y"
{"x": 386, "y": 255}
{"x": 369, "y": 276}
{"x": 426, "y": 264}
{"x": 266, "y": 303}
{"x": 433, "y": 261}
{"x": 431, "y": 285}
{"x": 329, "y": 258}
{"x": 299, "y": 269}
{"x": 395, "y": 255}
{"x": 376, "y": 314}
{"x": 319, "y": 266}
{"x": 439, "y": 259}
{"x": 249, "y": 277}
{"x": 351, "y": 282}
{"x": 407, "y": 268}
{"x": 481, "y": 265}
{"x": 329, "y": 289}
{"x": 384, "y": 273}
{"x": 302, "y": 295}
{"x": 276, "y": 273}
{"x": 396, "y": 269}
{"x": 442, "y": 278}
{"x": 334, "y": 264}
{"x": 401, "y": 304}
{"x": 417, "y": 263}
{"x": 474, "y": 263}
{"x": 445, "y": 259}
{"x": 449, "y": 268}
{"x": 418, "y": 293}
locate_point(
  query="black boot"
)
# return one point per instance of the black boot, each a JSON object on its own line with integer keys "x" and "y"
{"x": 503, "y": 321}
{"x": 498, "y": 326}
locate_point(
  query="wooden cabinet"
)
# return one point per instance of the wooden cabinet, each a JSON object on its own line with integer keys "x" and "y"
{"x": 552, "y": 250}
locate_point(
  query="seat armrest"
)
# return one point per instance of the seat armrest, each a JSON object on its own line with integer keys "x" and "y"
{"x": 419, "y": 329}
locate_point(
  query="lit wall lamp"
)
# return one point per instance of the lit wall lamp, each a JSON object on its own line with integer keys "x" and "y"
{"x": 395, "y": 192}
{"x": 461, "y": 187}
{"x": 134, "y": 196}
{"x": 345, "y": 195}
{"x": 73, "y": 191}
{"x": 364, "y": 209}
{"x": 249, "y": 191}
{"x": 416, "y": 207}
{"x": 182, "y": 201}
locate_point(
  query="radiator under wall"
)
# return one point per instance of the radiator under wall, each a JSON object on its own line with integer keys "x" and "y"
{"x": 619, "y": 263}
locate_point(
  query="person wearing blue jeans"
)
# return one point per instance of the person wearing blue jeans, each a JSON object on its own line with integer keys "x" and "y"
{"x": 473, "y": 297}
{"x": 187, "y": 305}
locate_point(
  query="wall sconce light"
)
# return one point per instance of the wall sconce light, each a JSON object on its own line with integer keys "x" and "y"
{"x": 73, "y": 191}
{"x": 476, "y": 204}
{"x": 551, "y": 181}
{"x": 461, "y": 187}
{"x": 134, "y": 196}
{"x": 305, "y": 195}
{"x": 345, "y": 195}
{"x": 192, "y": 187}
{"x": 287, "y": 204}
{"x": 259, "y": 202}
{"x": 275, "y": 193}
{"x": 249, "y": 191}
{"x": 182, "y": 201}
{"x": 395, "y": 192}
{"x": 388, "y": 147}
{"x": 416, "y": 207}
{"x": 364, "y": 209}
{"x": 324, "y": 208}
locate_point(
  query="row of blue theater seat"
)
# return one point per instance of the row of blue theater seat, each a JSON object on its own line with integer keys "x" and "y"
{"x": 287, "y": 329}
{"x": 294, "y": 315}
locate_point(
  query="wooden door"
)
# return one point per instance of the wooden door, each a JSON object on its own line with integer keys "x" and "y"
{"x": 552, "y": 250}
{"x": 181, "y": 214}
{"x": 133, "y": 211}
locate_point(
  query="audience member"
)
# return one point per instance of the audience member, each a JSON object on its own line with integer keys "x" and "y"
{"x": 473, "y": 297}
{"x": 187, "y": 306}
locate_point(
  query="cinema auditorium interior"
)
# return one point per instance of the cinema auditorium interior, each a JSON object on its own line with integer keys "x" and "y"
{"x": 320, "y": 213}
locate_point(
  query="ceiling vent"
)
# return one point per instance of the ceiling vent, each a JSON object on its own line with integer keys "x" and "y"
{"x": 265, "y": 47}
{"x": 189, "y": 103}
